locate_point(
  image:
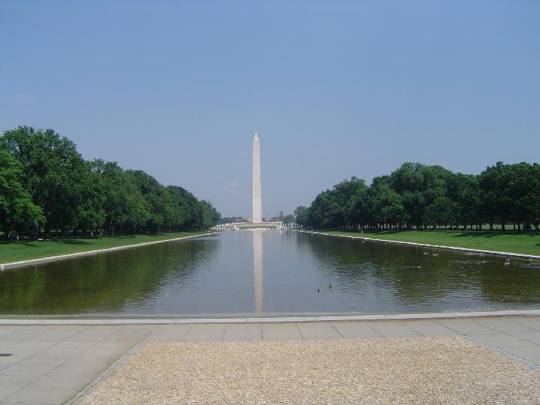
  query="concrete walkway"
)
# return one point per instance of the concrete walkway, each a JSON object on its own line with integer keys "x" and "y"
{"x": 50, "y": 364}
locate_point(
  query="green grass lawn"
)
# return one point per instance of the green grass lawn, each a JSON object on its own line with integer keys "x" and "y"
{"x": 13, "y": 252}
{"x": 527, "y": 243}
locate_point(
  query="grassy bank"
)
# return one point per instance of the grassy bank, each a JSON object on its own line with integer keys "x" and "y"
{"x": 502, "y": 242}
{"x": 13, "y": 252}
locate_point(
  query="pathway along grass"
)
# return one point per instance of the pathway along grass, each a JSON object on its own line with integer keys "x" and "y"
{"x": 13, "y": 252}
{"x": 526, "y": 243}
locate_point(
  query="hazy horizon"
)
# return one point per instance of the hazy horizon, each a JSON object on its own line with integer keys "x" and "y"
{"x": 334, "y": 90}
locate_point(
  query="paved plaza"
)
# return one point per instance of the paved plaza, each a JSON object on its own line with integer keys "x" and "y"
{"x": 51, "y": 364}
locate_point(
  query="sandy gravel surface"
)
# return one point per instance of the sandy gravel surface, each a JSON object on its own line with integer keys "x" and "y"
{"x": 419, "y": 370}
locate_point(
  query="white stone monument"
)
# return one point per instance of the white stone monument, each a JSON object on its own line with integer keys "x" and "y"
{"x": 257, "y": 199}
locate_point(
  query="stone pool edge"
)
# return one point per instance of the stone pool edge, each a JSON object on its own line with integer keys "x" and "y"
{"x": 275, "y": 319}
{"x": 49, "y": 259}
{"x": 444, "y": 247}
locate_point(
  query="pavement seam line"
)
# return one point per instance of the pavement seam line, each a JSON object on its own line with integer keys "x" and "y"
{"x": 452, "y": 329}
{"x": 503, "y": 352}
{"x": 223, "y": 333}
{"x": 29, "y": 355}
{"x": 411, "y": 329}
{"x": 37, "y": 377}
{"x": 516, "y": 337}
{"x": 300, "y": 332}
{"x": 370, "y": 325}
{"x": 379, "y": 334}
{"x": 518, "y": 324}
{"x": 414, "y": 330}
{"x": 336, "y": 329}
{"x": 498, "y": 331}
{"x": 186, "y": 332}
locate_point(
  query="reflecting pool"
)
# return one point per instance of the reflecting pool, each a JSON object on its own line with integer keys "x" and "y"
{"x": 267, "y": 272}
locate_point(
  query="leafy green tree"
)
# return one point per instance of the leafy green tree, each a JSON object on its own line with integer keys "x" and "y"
{"x": 209, "y": 215}
{"x": 187, "y": 208}
{"x": 155, "y": 196}
{"x": 497, "y": 201}
{"x": 288, "y": 219}
{"x": 44, "y": 180}
{"x": 464, "y": 192}
{"x": 419, "y": 186}
{"x": 524, "y": 190}
{"x": 124, "y": 206}
{"x": 52, "y": 169}
{"x": 91, "y": 212}
{"x": 17, "y": 211}
{"x": 536, "y": 204}
{"x": 301, "y": 216}
{"x": 385, "y": 205}
{"x": 336, "y": 208}
{"x": 442, "y": 211}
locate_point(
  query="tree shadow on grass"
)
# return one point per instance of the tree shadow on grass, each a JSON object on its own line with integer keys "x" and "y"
{"x": 478, "y": 234}
{"x": 76, "y": 242}
{"x": 70, "y": 241}
{"x": 489, "y": 234}
{"x": 390, "y": 232}
{"x": 460, "y": 234}
{"x": 37, "y": 243}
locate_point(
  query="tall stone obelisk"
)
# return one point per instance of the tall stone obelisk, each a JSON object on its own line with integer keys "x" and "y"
{"x": 257, "y": 199}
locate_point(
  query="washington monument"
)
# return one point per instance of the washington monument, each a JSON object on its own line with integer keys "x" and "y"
{"x": 257, "y": 198}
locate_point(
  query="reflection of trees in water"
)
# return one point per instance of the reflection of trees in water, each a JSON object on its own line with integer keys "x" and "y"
{"x": 511, "y": 284}
{"x": 101, "y": 283}
{"x": 389, "y": 266}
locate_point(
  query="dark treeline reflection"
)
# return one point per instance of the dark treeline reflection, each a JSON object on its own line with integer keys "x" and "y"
{"x": 102, "y": 283}
{"x": 417, "y": 275}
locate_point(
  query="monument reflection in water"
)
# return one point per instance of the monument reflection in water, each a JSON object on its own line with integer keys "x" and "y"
{"x": 258, "y": 268}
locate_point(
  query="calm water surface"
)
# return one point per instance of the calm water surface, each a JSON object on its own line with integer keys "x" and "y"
{"x": 271, "y": 272}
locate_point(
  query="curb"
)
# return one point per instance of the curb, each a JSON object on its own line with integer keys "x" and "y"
{"x": 276, "y": 319}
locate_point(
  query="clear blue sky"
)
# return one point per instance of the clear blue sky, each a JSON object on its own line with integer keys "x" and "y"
{"x": 335, "y": 89}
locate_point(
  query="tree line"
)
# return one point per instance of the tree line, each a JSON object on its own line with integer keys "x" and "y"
{"x": 47, "y": 187}
{"x": 418, "y": 196}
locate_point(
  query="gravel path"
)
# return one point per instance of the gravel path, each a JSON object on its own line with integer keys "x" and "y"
{"x": 418, "y": 370}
